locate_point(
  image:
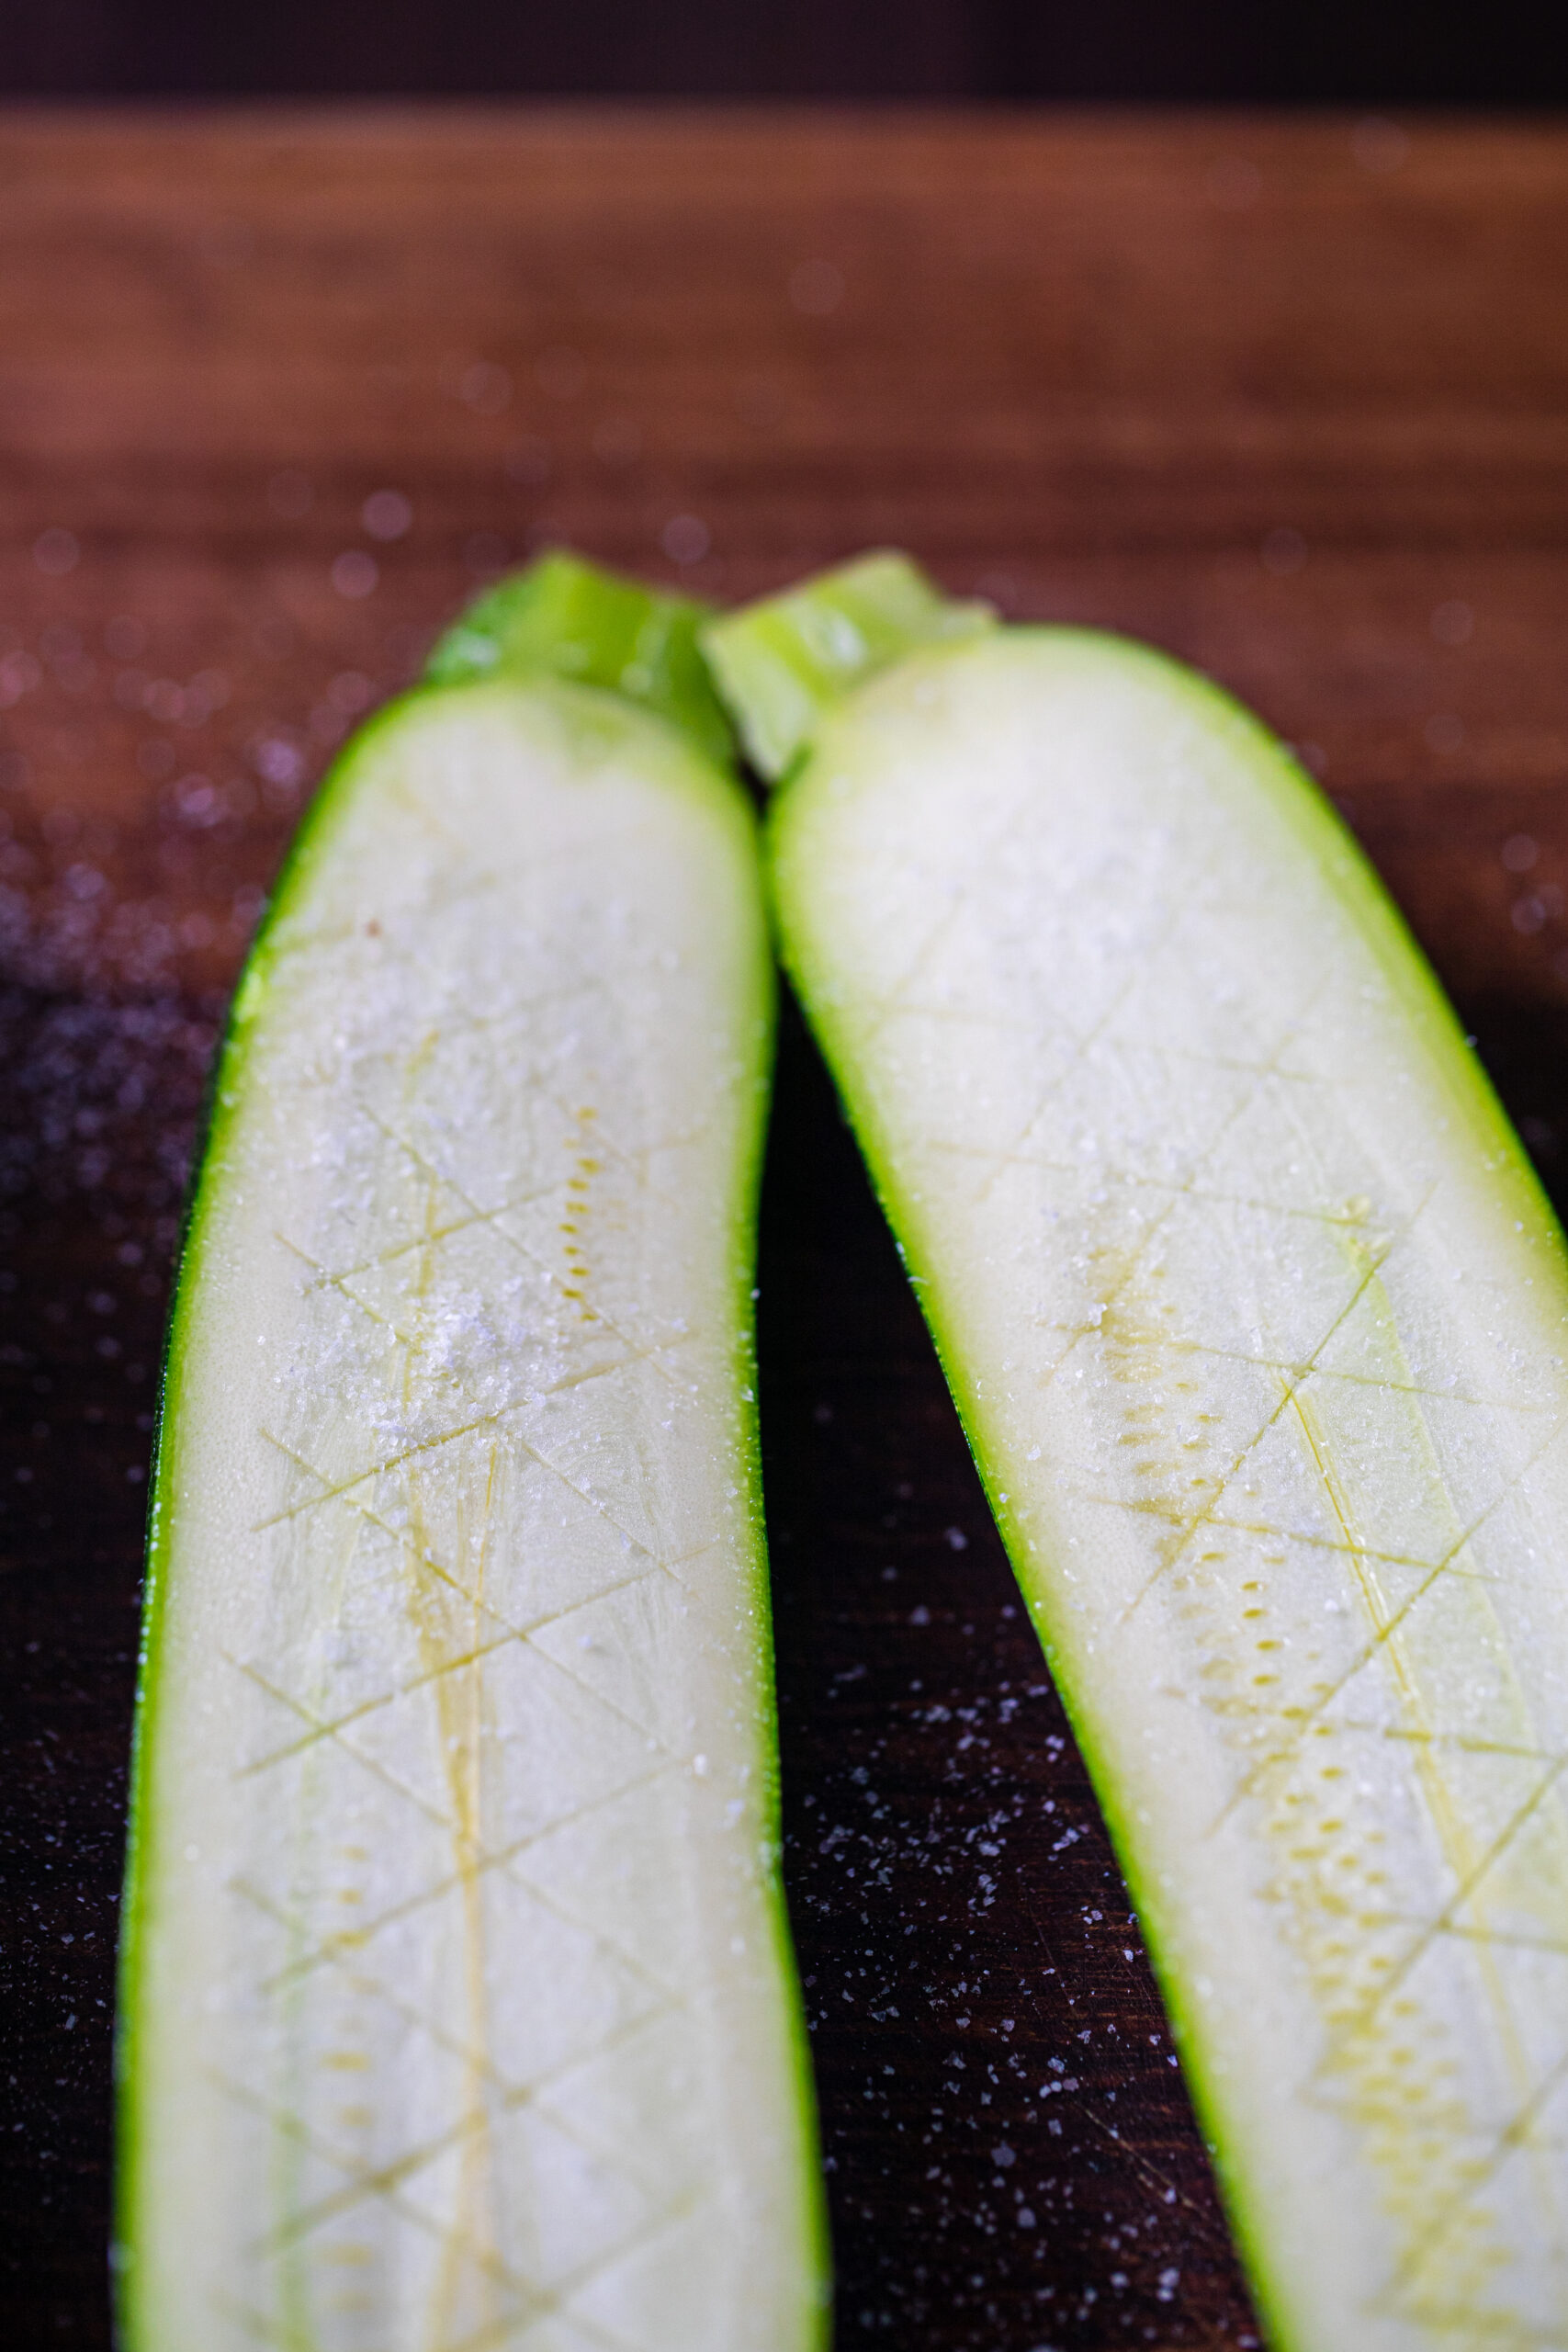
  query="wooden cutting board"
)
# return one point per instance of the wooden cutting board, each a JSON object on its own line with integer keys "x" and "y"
{"x": 276, "y": 390}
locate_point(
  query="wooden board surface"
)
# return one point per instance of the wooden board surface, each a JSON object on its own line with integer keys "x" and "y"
{"x": 1291, "y": 399}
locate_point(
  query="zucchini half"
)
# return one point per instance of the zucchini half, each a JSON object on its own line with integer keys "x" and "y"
{"x": 1257, "y": 1318}
{"x": 457, "y": 2010}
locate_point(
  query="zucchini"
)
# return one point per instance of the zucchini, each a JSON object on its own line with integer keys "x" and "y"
{"x": 1256, "y": 1319}
{"x": 457, "y": 2010}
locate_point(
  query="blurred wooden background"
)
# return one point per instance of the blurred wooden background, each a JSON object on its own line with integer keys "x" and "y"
{"x": 277, "y": 392}
{"x": 1338, "y": 52}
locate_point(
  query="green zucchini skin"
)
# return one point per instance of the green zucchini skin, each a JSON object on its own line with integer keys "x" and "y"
{"x": 1257, "y": 1320}
{"x": 456, "y": 2000}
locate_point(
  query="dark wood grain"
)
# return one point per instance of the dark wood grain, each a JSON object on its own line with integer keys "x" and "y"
{"x": 1291, "y": 399}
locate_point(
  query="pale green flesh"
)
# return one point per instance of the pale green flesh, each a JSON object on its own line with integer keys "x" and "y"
{"x": 459, "y": 2010}
{"x": 1257, "y": 1322}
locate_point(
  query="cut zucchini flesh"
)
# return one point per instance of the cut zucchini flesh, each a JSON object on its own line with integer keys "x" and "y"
{"x": 1258, "y": 1321}
{"x": 457, "y": 2008}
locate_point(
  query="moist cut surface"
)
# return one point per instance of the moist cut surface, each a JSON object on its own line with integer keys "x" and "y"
{"x": 460, "y": 2013}
{"x": 1257, "y": 1320}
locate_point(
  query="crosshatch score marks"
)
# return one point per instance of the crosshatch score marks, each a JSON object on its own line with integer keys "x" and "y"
{"x": 1216, "y": 1313}
{"x": 462, "y": 1708}
{"x": 443, "y": 1541}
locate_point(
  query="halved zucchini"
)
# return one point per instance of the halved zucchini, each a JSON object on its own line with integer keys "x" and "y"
{"x": 1258, "y": 1321}
{"x": 457, "y": 2008}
